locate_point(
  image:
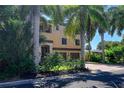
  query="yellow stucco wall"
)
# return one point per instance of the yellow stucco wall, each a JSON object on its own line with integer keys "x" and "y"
{"x": 56, "y": 37}
{"x": 68, "y": 52}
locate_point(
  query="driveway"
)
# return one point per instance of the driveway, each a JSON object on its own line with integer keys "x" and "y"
{"x": 94, "y": 67}
{"x": 101, "y": 76}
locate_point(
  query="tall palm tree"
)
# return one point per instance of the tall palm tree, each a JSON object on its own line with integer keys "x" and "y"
{"x": 77, "y": 20}
{"x": 114, "y": 17}
{"x": 31, "y": 14}
{"x": 34, "y": 14}
{"x": 91, "y": 30}
{"x": 35, "y": 29}
{"x": 101, "y": 33}
{"x": 102, "y": 28}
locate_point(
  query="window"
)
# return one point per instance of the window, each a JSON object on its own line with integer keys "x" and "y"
{"x": 64, "y": 41}
{"x": 46, "y": 28}
{"x": 49, "y": 29}
{"x": 74, "y": 55}
{"x": 57, "y": 27}
{"x": 77, "y": 42}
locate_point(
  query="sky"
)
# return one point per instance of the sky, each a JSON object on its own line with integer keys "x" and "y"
{"x": 107, "y": 37}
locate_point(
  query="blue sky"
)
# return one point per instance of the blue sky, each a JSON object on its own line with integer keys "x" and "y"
{"x": 107, "y": 37}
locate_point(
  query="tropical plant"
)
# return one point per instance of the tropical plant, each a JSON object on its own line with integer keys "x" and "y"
{"x": 36, "y": 13}
{"x": 102, "y": 28}
{"x": 116, "y": 15}
{"x": 108, "y": 44}
{"x": 78, "y": 20}
{"x": 95, "y": 57}
{"x": 115, "y": 54}
{"x": 15, "y": 47}
{"x": 88, "y": 47}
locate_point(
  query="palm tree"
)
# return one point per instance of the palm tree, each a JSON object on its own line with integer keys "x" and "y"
{"x": 115, "y": 21}
{"x": 102, "y": 28}
{"x": 77, "y": 21}
{"x": 35, "y": 29}
{"x": 101, "y": 33}
{"x": 34, "y": 14}
{"x": 31, "y": 14}
{"x": 91, "y": 30}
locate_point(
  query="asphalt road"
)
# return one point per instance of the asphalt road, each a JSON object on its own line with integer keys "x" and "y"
{"x": 101, "y": 76}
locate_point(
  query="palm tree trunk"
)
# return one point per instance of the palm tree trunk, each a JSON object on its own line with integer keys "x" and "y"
{"x": 35, "y": 30}
{"x": 103, "y": 47}
{"x": 82, "y": 38}
{"x": 89, "y": 51}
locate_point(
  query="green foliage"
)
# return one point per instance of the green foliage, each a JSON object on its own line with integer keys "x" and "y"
{"x": 50, "y": 61}
{"x": 95, "y": 57}
{"x": 27, "y": 66}
{"x": 108, "y": 44}
{"x": 55, "y": 62}
{"x": 15, "y": 46}
{"x": 115, "y": 54}
{"x": 116, "y": 20}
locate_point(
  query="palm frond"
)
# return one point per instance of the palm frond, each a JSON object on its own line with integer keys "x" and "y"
{"x": 73, "y": 26}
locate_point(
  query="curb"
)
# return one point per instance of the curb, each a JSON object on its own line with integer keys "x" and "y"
{"x": 15, "y": 83}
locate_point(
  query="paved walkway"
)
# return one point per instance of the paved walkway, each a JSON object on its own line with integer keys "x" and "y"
{"x": 101, "y": 76}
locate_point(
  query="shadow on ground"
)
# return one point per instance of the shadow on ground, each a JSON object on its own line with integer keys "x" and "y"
{"x": 107, "y": 78}
{"x": 79, "y": 80}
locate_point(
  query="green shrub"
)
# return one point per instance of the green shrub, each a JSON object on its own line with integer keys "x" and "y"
{"x": 24, "y": 68}
{"x": 8, "y": 69}
{"x": 50, "y": 60}
{"x": 55, "y": 62}
{"x": 27, "y": 66}
{"x": 15, "y": 49}
{"x": 115, "y": 54}
{"x": 94, "y": 57}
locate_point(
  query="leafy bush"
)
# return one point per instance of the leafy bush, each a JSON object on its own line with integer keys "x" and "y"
{"x": 87, "y": 56}
{"x": 95, "y": 57}
{"x": 15, "y": 49}
{"x": 55, "y": 62}
{"x": 51, "y": 60}
{"x": 115, "y": 54}
{"x": 27, "y": 68}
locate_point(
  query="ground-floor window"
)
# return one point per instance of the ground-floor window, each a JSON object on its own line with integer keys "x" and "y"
{"x": 74, "y": 55}
{"x": 45, "y": 50}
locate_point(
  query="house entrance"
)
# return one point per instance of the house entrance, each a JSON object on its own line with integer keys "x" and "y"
{"x": 45, "y": 50}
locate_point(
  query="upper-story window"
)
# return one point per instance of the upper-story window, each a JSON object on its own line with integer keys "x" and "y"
{"x": 46, "y": 28}
{"x": 77, "y": 42}
{"x": 49, "y": 29}
{"x": 57, "y": 27}
{"x": 64, "y": 41}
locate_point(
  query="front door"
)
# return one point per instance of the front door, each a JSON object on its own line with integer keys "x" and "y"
{"x": 45, "y": 50}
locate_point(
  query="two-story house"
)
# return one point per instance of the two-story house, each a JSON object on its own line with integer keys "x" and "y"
{"x": 56, "y": 41}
